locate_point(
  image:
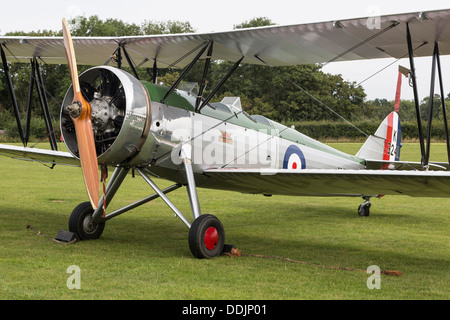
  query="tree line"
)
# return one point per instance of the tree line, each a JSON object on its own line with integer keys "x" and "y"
{"x": 290, "y": 95}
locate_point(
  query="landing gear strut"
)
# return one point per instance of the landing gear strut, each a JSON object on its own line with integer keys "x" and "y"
{"x": 364, "y": 208}
{"x": 206, "y": 233}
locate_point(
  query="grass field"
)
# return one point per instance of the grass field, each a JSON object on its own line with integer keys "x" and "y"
{"x": 144, "y": 253}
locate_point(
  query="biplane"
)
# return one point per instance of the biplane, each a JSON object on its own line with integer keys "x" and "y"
{"x": 112, "y": 119}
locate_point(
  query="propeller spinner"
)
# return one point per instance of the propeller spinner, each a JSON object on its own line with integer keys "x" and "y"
{"x": 80, "y": 112}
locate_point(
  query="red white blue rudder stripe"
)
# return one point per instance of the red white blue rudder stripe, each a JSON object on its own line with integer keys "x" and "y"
{"x": 385, "y": 144}
{"x": 392, "y": 143}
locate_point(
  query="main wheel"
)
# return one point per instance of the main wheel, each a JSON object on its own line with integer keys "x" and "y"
{"x": 206, "y": 237}
{"x": 82, "y": 223}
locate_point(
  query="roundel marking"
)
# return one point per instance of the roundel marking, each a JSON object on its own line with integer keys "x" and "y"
{"x": 294, "y": 158}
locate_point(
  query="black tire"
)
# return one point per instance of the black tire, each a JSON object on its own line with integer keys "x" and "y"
{"x": 364, "y": 210}
{"x": 82, "y": 224}
{"x": 206, "y": 243}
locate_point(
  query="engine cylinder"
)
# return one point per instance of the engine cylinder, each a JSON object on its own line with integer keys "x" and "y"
{"x": 121, "y": 114}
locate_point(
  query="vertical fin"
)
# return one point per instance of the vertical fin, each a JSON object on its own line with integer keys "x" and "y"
{"x": 385, "y": 144}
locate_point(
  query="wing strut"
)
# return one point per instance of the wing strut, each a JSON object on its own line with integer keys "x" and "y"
{"x": 12, "y": 95}
{"x": 444, "y": 109}
{"x": 416, "y": 95}
{"x": 205, "y": 74}
{"x": 425, "y": 153}
{"x": 185, "y": 71}
{"x": 219, "y": 85}
{"x": 130, "y": 63}
{"x": 436, "y": 63}
{"x": 155, "y": 71}
{"x": 35, "y": 79}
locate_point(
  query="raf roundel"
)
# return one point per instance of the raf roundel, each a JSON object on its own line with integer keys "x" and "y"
{"x": 294, "y": 158}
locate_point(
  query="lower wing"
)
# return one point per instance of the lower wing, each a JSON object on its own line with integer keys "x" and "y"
{"x": 321, "y": 182}
{"x": 307, "y": 182}
{"x": 39, "y": 155}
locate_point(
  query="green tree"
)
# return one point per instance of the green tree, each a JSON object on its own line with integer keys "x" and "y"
{"x": 93, "y": 26}
{"x": 166, "y": 27}
{"x": 255, "y": 22}
{"x": 437, "y": 113}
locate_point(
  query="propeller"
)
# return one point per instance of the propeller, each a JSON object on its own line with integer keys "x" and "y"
{"x": 80, "y": 112}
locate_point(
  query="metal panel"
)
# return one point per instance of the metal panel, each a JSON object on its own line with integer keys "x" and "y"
{"x": 136, "y": 122}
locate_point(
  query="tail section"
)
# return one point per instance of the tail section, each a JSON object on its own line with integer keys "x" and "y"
{"x": 385, "y": 144}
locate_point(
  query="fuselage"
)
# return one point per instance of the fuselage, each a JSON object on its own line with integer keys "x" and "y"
{"x": 224, "y": 136}
{"x": 141, "y": 124}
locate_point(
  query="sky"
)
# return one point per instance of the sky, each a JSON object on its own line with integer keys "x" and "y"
{"x": 213, "y": 15}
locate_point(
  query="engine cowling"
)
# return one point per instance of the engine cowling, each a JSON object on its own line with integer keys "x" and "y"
{"x": 121, "y": 114}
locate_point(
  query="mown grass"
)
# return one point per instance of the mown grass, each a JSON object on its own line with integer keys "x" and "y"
{"x": 144, "y": 253}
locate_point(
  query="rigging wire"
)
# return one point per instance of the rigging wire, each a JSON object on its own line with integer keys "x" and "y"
{"x": 389, "y": 27}
{"x": 315, "y": 98}
{"x": 390, "y": 64}
{"x": 325, "y": 106}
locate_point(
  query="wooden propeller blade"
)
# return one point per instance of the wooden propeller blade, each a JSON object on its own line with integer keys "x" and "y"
{"x": 83, "y": 125}
{"x": 71, "y": 59}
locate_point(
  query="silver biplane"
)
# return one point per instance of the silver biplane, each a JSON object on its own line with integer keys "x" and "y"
{"x": 110, "y": 118}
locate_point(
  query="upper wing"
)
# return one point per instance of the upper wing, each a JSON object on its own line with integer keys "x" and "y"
{"x": 311, "y": 182}
{"x": 40, "y": 155}
{"x": 354, "y": 39}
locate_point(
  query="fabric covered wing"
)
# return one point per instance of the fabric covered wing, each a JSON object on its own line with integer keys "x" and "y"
{"x": 39, "y": 155}
{"x": 311, "y": 182}
{"x": 353, "y": 39}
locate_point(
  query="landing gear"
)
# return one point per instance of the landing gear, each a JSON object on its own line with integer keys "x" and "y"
{"x": 206, "y": 234}
{"x": 206, "y": 237}
{"x": 364, "y": 208}
{"x": 82, "y": 223}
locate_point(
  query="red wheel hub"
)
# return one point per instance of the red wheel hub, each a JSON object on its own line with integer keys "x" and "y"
{"x": 211, "y": 238}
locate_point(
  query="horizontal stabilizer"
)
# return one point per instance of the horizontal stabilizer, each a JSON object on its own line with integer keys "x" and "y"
{"x": 404, "y": 165}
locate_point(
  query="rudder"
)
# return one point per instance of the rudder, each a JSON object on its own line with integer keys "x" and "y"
{"x": 385, "y": 144}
